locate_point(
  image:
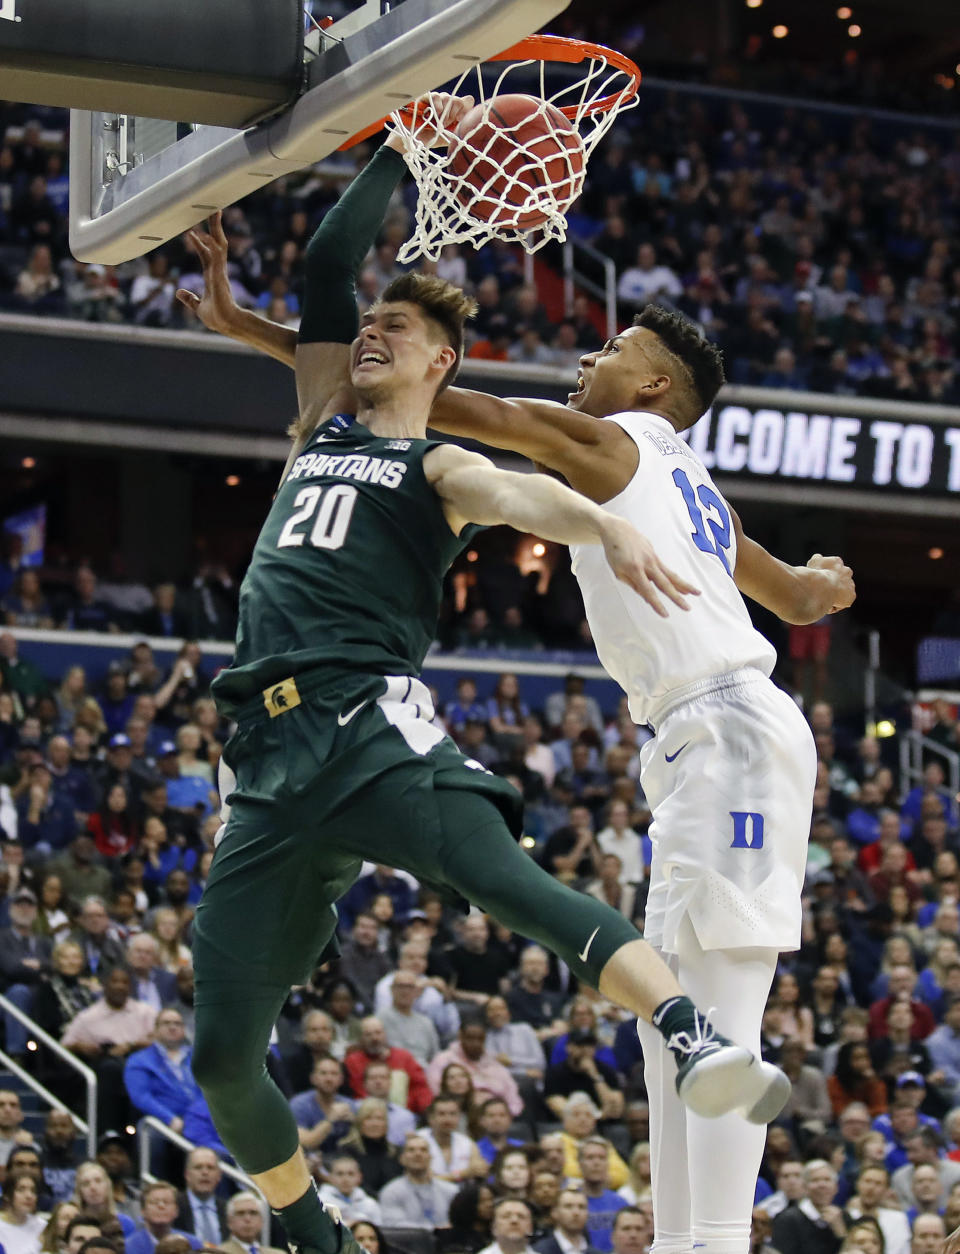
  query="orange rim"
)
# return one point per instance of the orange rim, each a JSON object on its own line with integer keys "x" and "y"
{"x": 544, "y": 48}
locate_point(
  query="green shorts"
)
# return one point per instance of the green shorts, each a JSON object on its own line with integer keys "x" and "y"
{"x": 331, "y": 769}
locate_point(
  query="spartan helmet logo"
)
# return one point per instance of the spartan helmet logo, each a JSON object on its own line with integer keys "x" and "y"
{"x": 281, "y": 697}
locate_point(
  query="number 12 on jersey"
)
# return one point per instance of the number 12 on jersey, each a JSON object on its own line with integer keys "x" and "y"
{"x": 707, "y": 511}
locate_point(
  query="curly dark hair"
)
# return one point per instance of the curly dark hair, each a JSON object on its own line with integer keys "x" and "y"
{"x": 685, "y": 341}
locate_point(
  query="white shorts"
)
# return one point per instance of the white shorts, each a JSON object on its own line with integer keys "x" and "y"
{"x": 731, "y": 814}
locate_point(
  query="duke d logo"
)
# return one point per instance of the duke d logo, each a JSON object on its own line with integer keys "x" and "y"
{"x": 279, "y": 698}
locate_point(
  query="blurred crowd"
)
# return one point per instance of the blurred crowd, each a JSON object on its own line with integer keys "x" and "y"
{"x": 818, "y": 249}
{"x": 454, "y": 1088}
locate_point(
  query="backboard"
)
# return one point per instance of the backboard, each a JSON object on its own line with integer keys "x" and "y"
{"x": 137, "y": 182}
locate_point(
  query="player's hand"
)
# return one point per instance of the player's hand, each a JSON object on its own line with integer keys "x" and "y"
{"x": 632, "y": 559}
{"x": 216, "y": 308}
{"x": 952, "y": 1244}
{"x": 845, "y": 592}
{"x": 438, "y": 114}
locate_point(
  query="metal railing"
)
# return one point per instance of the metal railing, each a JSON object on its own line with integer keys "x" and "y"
{"x": 88, "y": 1075}
{"x": 606, "y": 292}
{"x": 149, "y": 1127}
{"x": 914, "y": 748}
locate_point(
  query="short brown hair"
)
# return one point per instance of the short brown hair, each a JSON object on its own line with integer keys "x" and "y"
{"x": 442, "y": 303}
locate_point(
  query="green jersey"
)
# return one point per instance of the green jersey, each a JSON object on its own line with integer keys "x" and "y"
{"x": 348, "y": 569}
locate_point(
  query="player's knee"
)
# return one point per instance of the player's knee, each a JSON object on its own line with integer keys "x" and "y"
{"x": 219, "y": 1061}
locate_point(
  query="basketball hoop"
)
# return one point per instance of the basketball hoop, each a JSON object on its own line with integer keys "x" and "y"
{"x": 468, "y": 193}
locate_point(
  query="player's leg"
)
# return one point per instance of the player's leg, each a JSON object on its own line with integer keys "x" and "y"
{"x": 483, "y": 863}
{"x": 262, "y": 924}
{"x": 724, "y": 1154}
{"x": 669, "y": 1178}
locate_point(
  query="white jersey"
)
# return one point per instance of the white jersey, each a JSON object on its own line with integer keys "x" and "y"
{"x": 672, "y": 500}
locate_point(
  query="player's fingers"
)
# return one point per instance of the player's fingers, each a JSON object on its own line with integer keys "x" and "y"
{"x": 190, "y": 299}
{"x": 641, "y": 584}
{"x": 662, "y": 580}
{"x": 201, "y": 245}
{"x": 215, "y": 226}
{"x": 678, "y": 581}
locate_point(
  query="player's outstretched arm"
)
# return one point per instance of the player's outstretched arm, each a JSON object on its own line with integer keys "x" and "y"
{"x": 217, "y": 309}
{"x": 796, "y": 594}
{"x": 473, "y": 490}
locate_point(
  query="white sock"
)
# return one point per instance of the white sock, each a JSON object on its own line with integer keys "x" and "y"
{"x": 704, "y": 1171}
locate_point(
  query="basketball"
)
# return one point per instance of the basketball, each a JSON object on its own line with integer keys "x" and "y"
{"x": 516, "y": 156}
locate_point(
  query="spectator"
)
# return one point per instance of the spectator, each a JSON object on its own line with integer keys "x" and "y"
{"x": 925, "y": 1192}
{"x": 46, "y": 822}
{"x": 59, "y": 1155}
{"x": 814, "y": 1225}
{"x": 64, "y": 992}
{"x": 943, "y": 1046}
{"x": 316, "y": 1039}
{"x": 569, "y": 1217}
{"x": 12, "y": 1132}
{"x": 83, "y": 879}
{"x": 95, "y": 1196}
{"x": 581, "y": 1072}
{"x": 927, "y": 1234}
{"x": 529, "y": 999}
{"x": 159, "y": 1212}
{"x": 25, "y": 959}
{"x": 151, "y": 983}
{"x": 619, "y": 838}
{"x": 602, "y": 1203}
{"x": 361, "y": 960}
{"x": 323, "y": 1116}
{"x": 415, "y": 1199}
{"x": 580, "y": 1125}
{"x": 159, "y": 1078}
{"x": 495, "y": 1120}
{"x": 405, "y": 1026}
{"x": 647, "y": 280}
{"x": 809, "y": 1102}
{"x": 470, "y": 1213}
{"x": 245, "y": 1225}
{"x": 199, "y": 1208}
{"x": 433, "y": 996}
{"x": 900, "y": 987}
{"x": 453, "y": 1156}
{"x": 511, "y": 1228}
{"x": 102, "y": 952}
{"x": 632, "y": 1230}
{"x": 790, "y": 1189}
{"x": 923, "y": 1150}
{"x": 345, "y": 1193}
{"x": 873, "y": 1184}
{"x": 104, "y": 1035}
{"x": 340, "y": 1002}
{"x": 489, "y": 1077}
{"x": 479, "y": 962}
{"x": 515, "y": 1045}
{"x": 407, "y": 1074}
{"x": 38, "y": 285}
{"x": 21, "y": 1228}
{"x": 371, "y": 1143}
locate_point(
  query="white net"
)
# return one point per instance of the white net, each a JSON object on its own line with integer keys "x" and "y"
{"x": 518, "y": 159}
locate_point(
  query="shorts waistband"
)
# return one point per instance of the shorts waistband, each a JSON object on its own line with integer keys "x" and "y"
{"x": 286, "y": 694}
{"x": 702, "y": 688}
